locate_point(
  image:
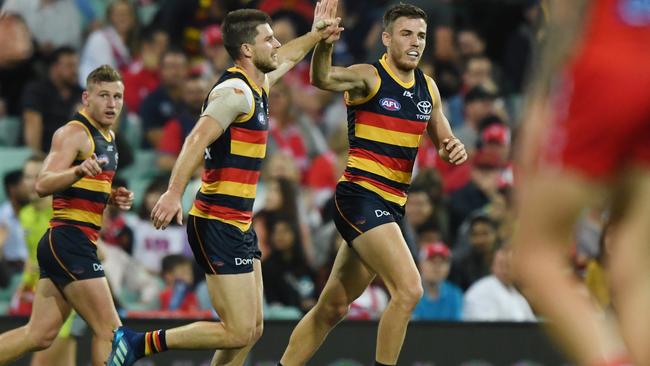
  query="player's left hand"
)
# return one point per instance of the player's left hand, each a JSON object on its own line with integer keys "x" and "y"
{"x": 453, "y": 151}
{"x": 325, "y": 21}
{"x": 121, "y": 198}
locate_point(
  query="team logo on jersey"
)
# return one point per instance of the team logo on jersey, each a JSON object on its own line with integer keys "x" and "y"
{"x": 261, "y": 118}
{"x": 103, "y": 158}
{"x": 390, "y": 104}
{"x": 424, "y": 107}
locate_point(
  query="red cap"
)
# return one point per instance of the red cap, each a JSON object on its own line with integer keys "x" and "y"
{"x": 212, "y": 36}
{"x": 496, "y": 133}
{"x": 435, "y": 249}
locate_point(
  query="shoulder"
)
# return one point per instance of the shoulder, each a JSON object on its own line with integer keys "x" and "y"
{"x": 73, "y": 131}
{"x": 235, "y": 85}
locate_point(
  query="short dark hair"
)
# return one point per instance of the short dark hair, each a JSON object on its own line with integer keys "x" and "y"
{"x": 12, "y": 179}
{"x": 402, "y": 10}
{"x": 58, "y": 53}
{"x": 104, "y": 73}
{"x": 172, "y": 261}
{"x": 239, "y": 27}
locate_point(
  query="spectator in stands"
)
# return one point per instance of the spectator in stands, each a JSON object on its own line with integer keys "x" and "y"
{"x": 164, "y": 103}
{"x": 370, "y": 305}
{"x": 479, "y": 103}
{"x": 13, "y": 251}
{"x": 478, "y": 72}
{"x": 178, "y": 275}
{"x": 495, "y": 298}
{"x": 291, "y": 131}
{"x": 142, "y": 76}
{"x": 470, "y": 43}
{"x": 113, "y": 45}
{"x": 485, "y": 180}
{"x": 441, "y": 300}
{"x": 115, "y": 230}
{"x": 470, "y": 265}
{"x": 34, "y": 220}
{"x": 150, "y": 246}
{"x": 425, "y": 205}
{"x": 52, "y": 23}
{"x": 15, "y": 39}
{"x": 49, "y": 103}
{"x": 216, "y": 58}
{"x": 519, "y": 47}
{"x": 288, "y": 280}
{"x": 176, "y": 129}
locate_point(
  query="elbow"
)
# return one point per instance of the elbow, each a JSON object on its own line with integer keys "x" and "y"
{"x": 40, "y": 190}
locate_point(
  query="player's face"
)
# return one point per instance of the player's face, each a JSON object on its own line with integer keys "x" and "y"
{"x": 265, "y": 49}
{"x": 103, "y": 101}
{"x": 405, "y": 42}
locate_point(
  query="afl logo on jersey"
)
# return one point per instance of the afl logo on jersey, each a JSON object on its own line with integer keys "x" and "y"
{"x": 635, "y": 13}
{"x": 390, "y": 104}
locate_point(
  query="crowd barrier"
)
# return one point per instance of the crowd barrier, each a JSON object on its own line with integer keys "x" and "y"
{"x": 352, "y": 343}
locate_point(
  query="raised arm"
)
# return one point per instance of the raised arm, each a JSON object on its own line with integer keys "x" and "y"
{"x": 358, "y": 78}
{"x": 450, "y": 148}
{"x": 226, "y": 104}
{"x": 325, "y": 24}
{"x": 68, "y": 142}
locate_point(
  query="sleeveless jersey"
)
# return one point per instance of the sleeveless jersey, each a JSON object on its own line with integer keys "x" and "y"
{"x": 232, "y": 162}
{"x": 82, "y": 205}
{"x": 384, "y": 130}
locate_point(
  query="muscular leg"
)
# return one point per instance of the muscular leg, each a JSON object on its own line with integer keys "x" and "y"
{"x": 92, "y": 299}
{"x": 549, "y": 208}
{"x": 233, "y": 297}
{"x": 630, "y": 268}
{"x": 348, "y": 280}
{"x": 62, "y": 352}
{"x": 384, "y": 250}
{"x": 232, "y": 357}
{"x": 49, "y": 312}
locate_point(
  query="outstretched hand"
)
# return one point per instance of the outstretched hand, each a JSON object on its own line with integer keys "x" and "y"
{"x": 326, "y": 24}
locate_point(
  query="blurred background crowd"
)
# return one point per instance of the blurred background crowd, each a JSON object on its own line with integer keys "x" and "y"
{"x": 458, "y": 222}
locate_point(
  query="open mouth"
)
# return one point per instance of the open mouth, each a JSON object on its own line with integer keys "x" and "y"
{"x": 110, "y": 114}
{"x": 413, "y": 54}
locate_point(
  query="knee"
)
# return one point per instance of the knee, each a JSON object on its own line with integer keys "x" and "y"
{"x": 243, "y": 335}
{"x": 41, "y": 339}
{"x": 333, "y": 313}
{"x": 408, "y": 295}
{"x": 257, "y": 334}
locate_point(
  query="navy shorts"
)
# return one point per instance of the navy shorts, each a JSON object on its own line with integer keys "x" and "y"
{"x": 66, "y": 254}
{"x": 359, "y": 210}
{"x": 220, "y": 248}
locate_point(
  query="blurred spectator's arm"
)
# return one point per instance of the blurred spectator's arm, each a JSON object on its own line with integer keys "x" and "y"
{"x": 169, "y": 146}
{"x": 33, "y": 129}
{"x": 15, "y": 39}
{"x": 3, "y": 237}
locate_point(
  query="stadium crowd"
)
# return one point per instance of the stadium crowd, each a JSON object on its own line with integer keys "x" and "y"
{"x": 458, "y": 222}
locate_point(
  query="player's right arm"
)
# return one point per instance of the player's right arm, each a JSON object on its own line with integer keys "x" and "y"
{"x": 58, "y": 173}
{"x": 358, "y": 80}
{"x": 225, "y": 105}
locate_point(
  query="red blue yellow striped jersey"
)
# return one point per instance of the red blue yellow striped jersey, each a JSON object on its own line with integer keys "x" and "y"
{"x": 232, "y": 162}
{"x": 384, "y": 130}
{"x": 82, "y": 205}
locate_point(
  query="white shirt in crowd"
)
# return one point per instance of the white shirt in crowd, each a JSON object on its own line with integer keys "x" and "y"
{"x": 490, "y": 300}
{"x": 57, "y": 23}
{"x": 14, "y": 248}
{"x": 150, "y": 246}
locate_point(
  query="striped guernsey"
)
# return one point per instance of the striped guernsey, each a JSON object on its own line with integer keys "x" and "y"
{"x": 233, "y": 161}
{"x": 385, "y": 129}
{"x": 82, "y": 205}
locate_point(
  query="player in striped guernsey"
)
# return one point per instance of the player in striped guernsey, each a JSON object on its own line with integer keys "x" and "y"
{"x": 78, "y": 171}
{"x": 230, "y": 137}
{"x": 390, "y": 105}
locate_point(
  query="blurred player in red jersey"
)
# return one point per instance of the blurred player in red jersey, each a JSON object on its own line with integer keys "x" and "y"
{"x": 587, "y": 139}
